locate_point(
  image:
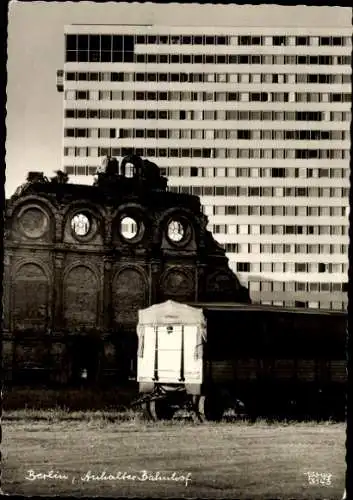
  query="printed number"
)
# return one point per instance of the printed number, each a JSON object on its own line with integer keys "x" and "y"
{"x": 319, "y": 478}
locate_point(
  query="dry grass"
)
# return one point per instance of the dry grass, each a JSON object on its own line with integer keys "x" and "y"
{"x": 226, "y": 460}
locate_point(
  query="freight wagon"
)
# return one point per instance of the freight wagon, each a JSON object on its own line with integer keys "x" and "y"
{"x": 280, "y": 363}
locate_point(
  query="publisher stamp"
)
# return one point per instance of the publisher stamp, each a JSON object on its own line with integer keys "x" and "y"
{"x": 319, "y": 478}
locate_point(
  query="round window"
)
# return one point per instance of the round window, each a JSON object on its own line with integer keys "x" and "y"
{"x": 176, "y": 231}
{"x": 33, "y": 222}
{"x": 128, "y": 228}
{"x": 80, "y": 225}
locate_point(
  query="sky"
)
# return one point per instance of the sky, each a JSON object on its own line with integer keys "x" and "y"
{"x": 36, "y": 50}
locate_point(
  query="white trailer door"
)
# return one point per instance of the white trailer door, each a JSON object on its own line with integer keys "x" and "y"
{"x": 193, "y": 354}
{"x": 146, "y": 354}
{"x": 169, "y": 353}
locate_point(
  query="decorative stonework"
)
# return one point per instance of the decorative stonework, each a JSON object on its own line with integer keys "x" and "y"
{"x": 31, "y": 355}
{"x": 221, "y": 283}
{"x": 80, "y": 297}
{"x": 33, "y": 222}
{"x": 177, "y": 283}
{"x": 129, "y": 295}
{"x": 30, "y": 297}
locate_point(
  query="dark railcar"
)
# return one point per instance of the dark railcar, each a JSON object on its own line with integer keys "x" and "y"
{"x": 279, "y": 362}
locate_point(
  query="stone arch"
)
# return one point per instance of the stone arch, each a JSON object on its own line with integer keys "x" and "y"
{"x": 80, "y": 297}
{"x": 130, "y": 206}
{"x": 30, "y": 296}
{"x": 31, "y": 199}
{"x": 170, "y": 212}
{"x": 84, "y": 204}
{"x": 130, "y": 293}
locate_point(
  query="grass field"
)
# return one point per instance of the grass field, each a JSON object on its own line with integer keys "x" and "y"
{"x": 224, "y": 460}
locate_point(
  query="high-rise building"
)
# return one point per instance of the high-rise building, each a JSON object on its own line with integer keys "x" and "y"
{"x": 253, "y": 119}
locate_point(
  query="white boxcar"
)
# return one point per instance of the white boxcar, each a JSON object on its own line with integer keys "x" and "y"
{"x": 172, "y": 371}
{"x": 170, "y": 345}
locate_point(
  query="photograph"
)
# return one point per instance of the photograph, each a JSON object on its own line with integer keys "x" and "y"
{"x": 176, "y": 236}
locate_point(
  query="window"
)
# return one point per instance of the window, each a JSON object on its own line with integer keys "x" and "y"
{"x": 277, "y": 229}
{"x": 255, "y": 248}
{"x": 258, "y": 96}
{"x": 69, "y": 132}
{"x": 266, "y": 229}
{"x": 82, "y": 94}
{"x": 302, "y": 40}
{"x": 266, "y": 286}
{"x": 300, "y": 267}
{"x": 81, "y": 152}
{"x": 93, "y": 132}
{"x": 266, "y": 267}
{"x": 243, "y": 267}
{"x": 254, "y": 286}
{"x": 322, "y": 267}
{"x": 243, "y": 229}
{"x": 279, "y": 40}
{"x": 255, "y": 229}
{"x": 289, "y": 286}
{"x": 69, "y": 151}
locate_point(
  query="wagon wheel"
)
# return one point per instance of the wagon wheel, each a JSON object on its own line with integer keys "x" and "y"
{"x": 208, "y": 408}
{"x": 195, "y": 413}
{"x": 145, "y": 406}
{"x": 160, "y": 409}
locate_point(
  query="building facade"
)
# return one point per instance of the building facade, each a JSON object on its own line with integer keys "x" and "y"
{"x": 80, "y": 261}
{"x": 255, "y": 120}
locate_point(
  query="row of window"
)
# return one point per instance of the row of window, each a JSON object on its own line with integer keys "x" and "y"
{"x": 212, "y": 115}
{"x": 264, "y": 172}
{"x": 268, "y": 59}
{"x": 97, "y": 56}
{"x": 292, "y": 286}
{"x": 279, "y": 154}
{"x": 270, "y": 229}
{"x": 325, "y": 305}
{"x": 296, "y": 267}
{"x": 108, "y": 76}
{"x": 278, "y": 210}
{"x": 131, "y": 95}
{"x": 336, "y": 173}
{"x": 284, "y": 248}
{"x": 80, "y": 169}
{"x": 247, "y": 172}
{"x": 243, "y": 40}
{"x": 210, "y": 134}
{"x": 266, "y": 192}
{"x": 126, "y": 42}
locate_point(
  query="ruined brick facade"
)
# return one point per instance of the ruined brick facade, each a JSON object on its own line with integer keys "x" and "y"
{"x": 74, "y": 280}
